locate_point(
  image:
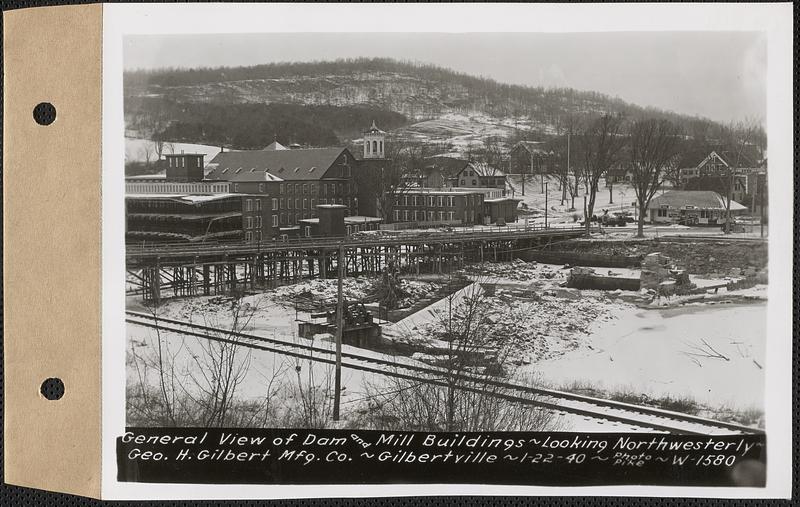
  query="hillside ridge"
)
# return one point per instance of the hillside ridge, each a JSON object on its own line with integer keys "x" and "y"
{"x": 417, "y": 91}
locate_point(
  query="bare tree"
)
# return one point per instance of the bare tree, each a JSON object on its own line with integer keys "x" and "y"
{"x": 653, "y": 153}
{"x": 464, "y": 396}
{"x": 493, "y": 152}
{"x": 738, "y": 136}
{"x": 394, "y": 179}
{"x": 162, "y": 147}
{"x": 160, "y": 405}
{"x": 600, "y": 145}
{"x": 571, "y": 171}
{"x": 221, "y": 367}
{"x": 195, "y": 381}
{"x": 310, "y": 395}
{"x": 146, "y": 153}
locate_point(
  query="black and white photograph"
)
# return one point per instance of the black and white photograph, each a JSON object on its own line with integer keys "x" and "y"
{"x": 443, "y": 248}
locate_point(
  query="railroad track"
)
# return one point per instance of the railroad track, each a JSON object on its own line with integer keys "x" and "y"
{"x": 559, "y": 401}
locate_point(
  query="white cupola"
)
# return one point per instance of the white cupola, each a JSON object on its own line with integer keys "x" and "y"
{"x": 374, "y": 139}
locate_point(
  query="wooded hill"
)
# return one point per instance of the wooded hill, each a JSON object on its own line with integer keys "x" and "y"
{"x": 317, "y": 103}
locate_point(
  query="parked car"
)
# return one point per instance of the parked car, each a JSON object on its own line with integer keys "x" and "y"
{"x": 615, "y": 220}
{"x": 735, "y": 226}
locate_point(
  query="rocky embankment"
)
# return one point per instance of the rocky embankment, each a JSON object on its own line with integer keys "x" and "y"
{"x": 696, "y": 257}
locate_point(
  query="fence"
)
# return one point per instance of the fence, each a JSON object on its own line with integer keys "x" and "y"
{"x": 399, "y": 226}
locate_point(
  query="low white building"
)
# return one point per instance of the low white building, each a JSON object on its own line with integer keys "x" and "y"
{"x": 690, "y": 207}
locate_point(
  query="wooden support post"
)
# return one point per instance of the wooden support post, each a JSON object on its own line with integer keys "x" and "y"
{"x": 156, "y": 285}
{"x": 337, "y": 385}
{"x": 232, "y": 276}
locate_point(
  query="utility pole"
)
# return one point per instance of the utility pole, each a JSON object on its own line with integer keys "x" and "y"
{"x": 523, "y": 174}
{"x": 339, "y": 329}
{"x": 545, "y": 204}
{"x": 541, "y": 173}
{"x": 572, "y": 192}
{"x": 761, "y": 201}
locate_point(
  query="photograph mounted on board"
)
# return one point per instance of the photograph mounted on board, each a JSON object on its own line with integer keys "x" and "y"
{"x": 372, "y": 250}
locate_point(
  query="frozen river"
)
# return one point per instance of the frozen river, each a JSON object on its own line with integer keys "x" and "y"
{"x": 713, "y": 353}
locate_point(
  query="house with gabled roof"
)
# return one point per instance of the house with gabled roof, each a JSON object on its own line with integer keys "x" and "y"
{"x": 480, "y": 174}
{"x": 715, "y": 170}
{"x": 528, "y": 157}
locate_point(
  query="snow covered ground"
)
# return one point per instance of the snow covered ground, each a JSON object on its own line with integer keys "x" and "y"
{"x": 463, "y": 131}
{"x": 624, "y": 199}
{"x": 714, "y": 354}
{"x": 534, "y": 198}
{"x": 268, "y": 375}
{"x": 702, "y": 347}
{"x": 710, "y": 350}
{"x": 275, "y": 312}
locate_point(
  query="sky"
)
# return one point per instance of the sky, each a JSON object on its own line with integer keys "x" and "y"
{"x": 718, "y": 75}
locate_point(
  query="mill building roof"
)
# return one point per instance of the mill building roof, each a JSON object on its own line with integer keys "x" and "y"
{"x": 274, "y": 165}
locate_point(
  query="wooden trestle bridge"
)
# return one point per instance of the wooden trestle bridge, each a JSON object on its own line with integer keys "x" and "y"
{"x": 155, "y": 271}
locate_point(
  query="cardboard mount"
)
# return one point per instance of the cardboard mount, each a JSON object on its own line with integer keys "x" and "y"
{"x": 51, "y": 266}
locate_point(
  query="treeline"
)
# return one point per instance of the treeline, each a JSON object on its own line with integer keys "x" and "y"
{"x": 253, "y": 126}
{"x": 547, "y": 105}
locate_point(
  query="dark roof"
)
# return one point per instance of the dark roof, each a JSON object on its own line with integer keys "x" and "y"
{"x": 260, "y": 165}
{"x": 449, "y": 166}
{"x": 748, "y": 158}
{"x": 532, "y": 147}
{"x": 704, "y": 199}
{"x": 484, "y": 169}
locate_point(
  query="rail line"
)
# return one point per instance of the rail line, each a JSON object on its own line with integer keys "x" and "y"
{"x": 559, "y": 401}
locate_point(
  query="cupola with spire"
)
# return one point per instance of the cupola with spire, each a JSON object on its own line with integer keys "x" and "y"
{"x": 374, "y": 139}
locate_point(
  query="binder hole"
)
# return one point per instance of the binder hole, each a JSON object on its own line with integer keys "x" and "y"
{"x": 44, "y": 113}
{"x": 52, "y": 389}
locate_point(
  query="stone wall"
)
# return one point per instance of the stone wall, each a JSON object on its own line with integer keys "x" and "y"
{"x": 600, "y": 260}
{"x": 696, "y": 257}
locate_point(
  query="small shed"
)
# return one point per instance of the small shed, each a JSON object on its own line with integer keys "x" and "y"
{"x": 501, "y": 210}
{"x": 360, "y": 328}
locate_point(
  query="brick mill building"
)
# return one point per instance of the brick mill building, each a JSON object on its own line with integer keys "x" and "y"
{"x": 282, "y": 187}
{"x": 280, "y": 192}
{"x": 427, "y": 206}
